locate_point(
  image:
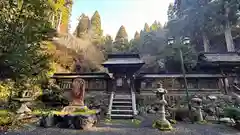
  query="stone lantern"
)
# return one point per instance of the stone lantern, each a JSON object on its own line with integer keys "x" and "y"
{"x": 162, "y": 123}
{"x": 197, "y": 102}
{"x": 213, "y": 101}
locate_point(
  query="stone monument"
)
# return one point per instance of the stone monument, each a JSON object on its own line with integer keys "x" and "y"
{"x": 76, "y": 115}
{"x": 162, "y": 123}
{"x": 77, "y": 95}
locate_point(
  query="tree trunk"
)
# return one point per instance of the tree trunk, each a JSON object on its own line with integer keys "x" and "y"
{"x": 59, "y": 23}
{"x": 53, "y": 20}
{"x": 206, "y": 42}
{"x": 228, "y": 37}
{"x": 227, "y": 33}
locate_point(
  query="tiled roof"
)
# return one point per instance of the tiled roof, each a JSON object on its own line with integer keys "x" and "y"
{"x": 180, "y": 75}
{"x": 123, "y": 61}
{"x": 217, "y": 57}
{"x": 117, "y": 59}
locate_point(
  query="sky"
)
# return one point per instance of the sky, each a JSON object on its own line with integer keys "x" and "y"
{"x": 132, "y": 14}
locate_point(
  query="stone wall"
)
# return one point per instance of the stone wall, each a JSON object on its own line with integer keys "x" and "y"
{"x": 96, "y": 99}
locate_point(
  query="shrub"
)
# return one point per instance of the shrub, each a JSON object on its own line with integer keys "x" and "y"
{"x": 5, "y": 89}
{"x": 232, "y": 112}
{"x": 6, "y": 117}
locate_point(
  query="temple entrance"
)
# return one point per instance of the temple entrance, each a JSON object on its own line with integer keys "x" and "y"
{"x": 123, "y": 84}
{"x": 123, "y": 67}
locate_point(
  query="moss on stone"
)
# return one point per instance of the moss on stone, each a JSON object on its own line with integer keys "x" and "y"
{"x": 4, "y": 112}
{"x": 136, "y": 121}
{"x": 6, "y": 117}
{"x": 202, "y": 122}
{"x": 86, "y": 112}
{"x": 173, "y": 121}
{"x": 162, "y": 125}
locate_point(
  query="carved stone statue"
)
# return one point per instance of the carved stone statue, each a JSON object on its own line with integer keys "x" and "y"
{"x": 78, "y": 91}
{"x": 77, "y": 96}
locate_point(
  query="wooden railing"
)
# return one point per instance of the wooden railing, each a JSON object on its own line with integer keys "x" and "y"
{"x": 110, "y": 104}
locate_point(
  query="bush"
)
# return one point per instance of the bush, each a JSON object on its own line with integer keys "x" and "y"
{"x": 232, "y": 112}
{"x": 6, "y": 117}
{"x": 5, "y": 89}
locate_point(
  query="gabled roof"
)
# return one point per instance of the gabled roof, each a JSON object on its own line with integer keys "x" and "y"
{"x": 123, "y": 59}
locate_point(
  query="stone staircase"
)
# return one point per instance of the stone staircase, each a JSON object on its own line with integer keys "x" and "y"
{"x": 122, "y": 106}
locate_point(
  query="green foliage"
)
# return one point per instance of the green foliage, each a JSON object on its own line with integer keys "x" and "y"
{"x": 146, "y": 28}
{"x": 232, "y": 112}
{"x": 61, "y": 11}
{"x": 121, "y": 41}
{"x": 170, "y": 11}
{"x": 5, "y": 89}
{"x": 6, "y": 117}
{"x": 24, "y": 27}
{"x": 108, "y": 45}
{"x": 203, "y": 19}
{"x": 171, "y": 54}
{"x": 96, "y": 24}
{"x": 121, "y": 34}
{"x": 155, "y": 26}
{"x": 136, "y": 121}
{"x": 83, "y": 26}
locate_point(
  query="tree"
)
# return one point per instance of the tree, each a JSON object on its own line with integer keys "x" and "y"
{"x": 61, "y": 14}
{"x": 121, "y": 34}
{"x": 83, "y": 27}
{"x": 136, "y": 35}
{"x": 193, "y": 18}
{"x": 228, "y": 14}
{"x": 206, "y": 18}
{"x": 25, "y": 25}
{"x": 172, "y": 57}
{"x": 146, "y": 28}
{"x": 170, "y": 12}
{"x": 108, "y": 45}
{"x": 96, "y": 28}
{"x": 121, "y": 40}
{"x": 155, "y": 26}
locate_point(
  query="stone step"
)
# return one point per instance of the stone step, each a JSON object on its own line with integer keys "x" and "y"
{"x": 123, "y": 96}
{"x": 116, "y": 110}
{"x": 122, "y": 102}
{"x": 121, "y": 116}
{"x": 117, "y": 99}
{"x": 123, "y": 112}
{"x": 123, "y": 107}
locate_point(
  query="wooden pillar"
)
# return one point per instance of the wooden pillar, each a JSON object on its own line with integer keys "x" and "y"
{"x": 224, "y": 81}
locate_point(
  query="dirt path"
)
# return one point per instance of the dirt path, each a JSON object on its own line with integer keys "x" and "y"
{"x": 129, "y": 129}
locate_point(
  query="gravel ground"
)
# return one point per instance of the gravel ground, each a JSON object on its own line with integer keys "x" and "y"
{"x": 126, "y": 129}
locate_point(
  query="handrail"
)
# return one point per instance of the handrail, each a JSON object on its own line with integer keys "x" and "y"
{"x": 110, "y": 104}
{"x": 236, "y": 87}
{"x": 134, "y": 103}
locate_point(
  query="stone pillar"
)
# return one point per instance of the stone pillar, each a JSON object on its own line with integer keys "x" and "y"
{"x": 162, "y": 123}
{"x": 198, "y": 105}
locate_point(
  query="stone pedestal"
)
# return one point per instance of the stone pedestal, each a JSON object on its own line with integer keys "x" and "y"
{"x": 162, "y": 123}
{"x": 73, "y": 121}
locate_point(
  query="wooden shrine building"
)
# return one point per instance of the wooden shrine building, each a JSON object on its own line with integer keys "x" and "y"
{"x": 123, "y": 85}
{"x": 123, "y": 68}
